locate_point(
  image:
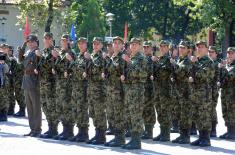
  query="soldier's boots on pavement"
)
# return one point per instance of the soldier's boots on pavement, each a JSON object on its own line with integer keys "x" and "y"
{"x": 134, "y": 143}
{"x": 164, "y": 135}
{"x": 184, "y": 137}
{"x": 20, "y": 113}
{"x": 3, "y": 115}
{"x": 99, "y": 138}
{"x": 213, "y": 129}
{"x": 148, "y": 132}
{"x": 82, "y": 135}
{"x": 57, "y": 137}
{"x": 52, "y": 131}
{"x": 203, "y": 140}
{"x": 118, "y": 140}
{"x": 68, "y": 132}
{"x": 175, "y": 127}
{"x": 193, "y": 129}
{"x": 230, "y": 134}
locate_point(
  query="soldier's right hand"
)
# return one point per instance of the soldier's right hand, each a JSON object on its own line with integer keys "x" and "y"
{"x": 190, "y": 79}
{"x": 54, "y": 53}
{"x": 218, "y": 84}
{"x": 122, "y": 77}
{"x": 84, "y": 74}
{"x": 87, "y": 55}
{"x": 194, "y": 59}
{"x": 65, "y": 74}
{"x": 126, "y": 58}
{"x": 154, "y": 58}
{"x": 151, "y": 77}
{"x": 53, "y": 71}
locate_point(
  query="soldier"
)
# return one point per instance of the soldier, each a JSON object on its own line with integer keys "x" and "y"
{"x": 79, "y": 93}
{"x": 63, "y": 71}
{"x": 116, "y": 94}
{"x": 30, "y": 84}
{"x": 213, "y": 54}
{"x": 162, "y": 76}
{"x": 96, "y": 93}
{"x": 134, "y": 79}
{"x": 228, "y": 93}
{"x": 149, "y": 110}
{"x": 202, "y": 77}
{"x": 48, "y": 87}
{"x": 182, "y": 69}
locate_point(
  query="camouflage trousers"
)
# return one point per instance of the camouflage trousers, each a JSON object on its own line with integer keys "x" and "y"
{"x": 134, "y": 102}
{"x": 79, "y": 100}
{"x": 109, "y": 108}
{"x": 4, "y": 102}
{"x": 115, "y": 107}
{"x": 49, "y": 103}
{"x": 202, "y": 107}
{"x": 175, "y": 103}
{"x": 228, "y": 105}
{"x": 11, "y": 96}
{"x": 19, "y": 94}
{"x": 64, "y": 99}
{"x": 149, "y": 115}
{"x": 96, "y": 104}
{"x": 215, "y": 95}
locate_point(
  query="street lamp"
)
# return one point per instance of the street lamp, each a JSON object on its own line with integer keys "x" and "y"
{"x": 110, "y": 18}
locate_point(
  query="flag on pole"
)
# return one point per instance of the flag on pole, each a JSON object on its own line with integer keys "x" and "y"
{"x": 73, "y": 34}
{"x": 26, "y": 29}
{"x": 125, "y": 32}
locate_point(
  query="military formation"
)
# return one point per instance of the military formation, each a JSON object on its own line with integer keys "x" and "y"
{"x": 123, "y": 87}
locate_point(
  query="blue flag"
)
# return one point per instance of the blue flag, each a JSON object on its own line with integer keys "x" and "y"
{"x": 73, "y": 34}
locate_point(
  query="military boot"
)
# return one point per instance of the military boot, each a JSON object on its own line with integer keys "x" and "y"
{"x": 11, "y": 109}
{"x": 20, "y": 113}
{"x": 100, "y": 139}
{"x": 231, "y": 133}
{"x": 57, "y": 137}
{"x": 134, "y": 143}
{"x": 148, "y": 133}
{"x": 164, "y": 135}
{"x": 68, "y": 134}
{"x": 184, "y": 137}
{"x": 213, "y": 129}
{"x": 3, "y": 115}
{"x": 205, "y": 139}
{"x": 193, "y": 129}
{"x": 175, "y": 127}
{"x": 118, "y": 141}
{"x": 198, "y": 141}
{"x": 52, "y": 131}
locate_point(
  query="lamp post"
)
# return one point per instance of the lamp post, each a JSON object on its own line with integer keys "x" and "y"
{"x": 110, "y": 18}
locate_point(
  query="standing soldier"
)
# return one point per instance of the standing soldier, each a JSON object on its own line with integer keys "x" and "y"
{"x": 116, "y": 94}
{"x": 162, "y": 76}
{"x": 149, "y": 110}
{"x": 182, "y": 69}
{"x": 203, "y": 75}
{"x": 79, "y": 93}
{"x": 31, "y": 85}
{"x": 134, "y": 79}
{"x": 96, "y": 93}
{"x": 213, "y": 54}
{"x": 228, "y": 94}
{"x": 48, "y": 87}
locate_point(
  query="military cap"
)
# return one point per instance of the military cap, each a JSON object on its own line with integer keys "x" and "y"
{"x": 48, "y": 35}
{"x": 4, "y": 45}
{"x": 213, "y": 48}
{"x": 184, "y": 44}
{"x": 65, "y": 36}
{"x": 191, "y": 45}
{"x": 164, "y": 42}
{"x": 109, "y": 43}
{"x": 201, "y": 43}
{"x": 98, "y": 39}
{"x": 32, "y": 37}
{"x": 231, "y": 49}
{"x": 135, "y": 40}
{"x": 147, "y": 43}
{"x": 118, "y": 38}
{"x": 82, "y": 39}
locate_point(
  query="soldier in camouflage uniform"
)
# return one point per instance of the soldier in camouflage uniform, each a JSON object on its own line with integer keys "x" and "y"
{"x": 116, "y": 94}
{"x": 228, "y": 94}
{"x": 203, "y": 74}
{"x": 134, "y": 79}
{"x": 213, "y": 54}
{"x": 48, "y": 87}
{"x": 162, "y": 76}
{"x": 182, "y": 69}
{"x": 64, "y": 87}
{"x": 96, "y": 92}
{"x": 149, "y": 110}
{"x": 79, "y": 93}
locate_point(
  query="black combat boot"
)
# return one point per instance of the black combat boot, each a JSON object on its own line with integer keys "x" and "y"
{"x": 198, "y": 141}
{"x": 52, "y": 131}
{"x": 118, "y": 140}
{"x": 148, "y": 132}
{"x": 134, "y": 143}
{"x": 184, "y": 137}
{"x": 164, "y": 135}
{"x": 82, "y": 135}
{"x": 213, "y": 129}
{"x": 100, "y": 139}
{"x": 193, "y": 129}
{"x": 20, "y": 113}
{"x": 93, "y": 138}
{"x": 175, "y": 127}
{"x": 110, "y": 130}
{"x": 68, "y": 134}
{"x": 205, "y": 139}
{"x": 11, "y": 109}
{"x": 57, "y": 137}
{"x": 3, "y": 115}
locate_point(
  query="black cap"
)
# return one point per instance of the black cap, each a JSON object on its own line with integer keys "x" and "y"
{"x": 48, "y": 35}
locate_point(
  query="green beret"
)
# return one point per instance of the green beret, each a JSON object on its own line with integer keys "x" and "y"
{"x": 201, "y": 43}
{"x": 231, "y": 49}
{"x": 97, "y": 39}
{"x": 135, "y": 40}
{"x": 118, "y": 38}
{"x": 82, "y": 39}
{"x": 164, "y": 42}
{"x": 48, "y": 34}
{"x": 147, "y": 43}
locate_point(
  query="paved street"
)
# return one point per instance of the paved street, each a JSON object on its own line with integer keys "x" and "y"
{"x": 12, "y": 142}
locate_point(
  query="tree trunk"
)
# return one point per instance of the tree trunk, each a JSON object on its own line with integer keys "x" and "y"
{"x": 50, "y": 16}
{"x": 226, "y": 40}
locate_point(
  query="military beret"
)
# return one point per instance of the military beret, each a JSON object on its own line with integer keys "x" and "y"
{"x": 135, "y": 40}
{"x": 164, "y": 42}
{"x": 184, "y": 44}
{"x": 98, "y": 39}
{"x": 48, "y": 35}
{"x": 147, "y": 43}
{"x": 118, "y": 38}
{"x": 82, "y": 39}
{"x": 231, "y": 49}
{"x": 32, "y": 37}
{"x": 201, "y": 43}
{"x": 213, "y": 48}
{"x": 65, "y": 36}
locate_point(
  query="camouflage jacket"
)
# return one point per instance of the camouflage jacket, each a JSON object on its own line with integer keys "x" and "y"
{"x": 228, "y": 76}
{"x": 217, "y": 73}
